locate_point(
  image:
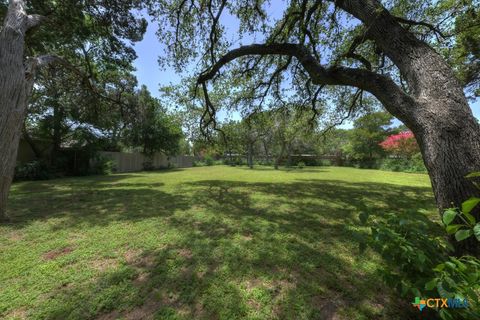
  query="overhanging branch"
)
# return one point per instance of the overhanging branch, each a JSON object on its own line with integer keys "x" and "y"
{"x": 381, "y": 86}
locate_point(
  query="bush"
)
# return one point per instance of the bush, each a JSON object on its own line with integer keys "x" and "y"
{"x": 33, "y": 170}
{"x": 103, "y": 165}
{"x": 324, "y": 163}
{"x": 363, "y": 163}
{"x": 420, "y": 264}
{"x": 415, "y": 164}
{"x": 209, "y": 160}
{"x": 301, "y": 165}
{"x": 148, "y": 166}
{"x": 198, "y": 163}
{"x": 237, "y": 161}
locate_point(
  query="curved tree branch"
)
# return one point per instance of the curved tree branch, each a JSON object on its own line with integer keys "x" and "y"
{"x": 381, "y": 86}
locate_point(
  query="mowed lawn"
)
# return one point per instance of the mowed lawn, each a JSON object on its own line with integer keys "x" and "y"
{"x": 203, "y": 243}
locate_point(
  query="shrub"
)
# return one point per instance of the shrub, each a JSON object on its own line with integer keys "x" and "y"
{"x": 419, "y": 263}
{"x": 148, "y": 165}
{"x": 325, "y": 163}
{"x": 209, "y": 160}
{"x": 414, "y": 164}
{"x": 33, "y": 170}
{"x": 103, "y": 165}
{"x": 198, "y": 163}
{"x": 395, "y": 164}
{"x": 301, "y": 165}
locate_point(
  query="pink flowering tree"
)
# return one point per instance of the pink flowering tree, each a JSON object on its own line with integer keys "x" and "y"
{"x": 402, "y": 144}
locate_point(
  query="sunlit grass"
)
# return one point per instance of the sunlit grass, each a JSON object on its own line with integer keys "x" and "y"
{"x": 204, "y": 243}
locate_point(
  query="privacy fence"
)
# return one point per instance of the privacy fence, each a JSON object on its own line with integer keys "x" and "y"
{"x": 130, "y": 162}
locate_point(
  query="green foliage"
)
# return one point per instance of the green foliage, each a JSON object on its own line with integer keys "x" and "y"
{"x": 103, "y": 165}
{"x": 301, "y": 165}
{"x": 414, "y": 164}
{"x": 33, "y": 170}
{"x": 148, "y": 166}
{"x": 208, "y": 160}
{"x": 363, "y": 147}
{"x": 325, "y": 163}
{"x": 419, "y": 262}
{"x": 466, "y": 225}
{"x": 151, "y": 128}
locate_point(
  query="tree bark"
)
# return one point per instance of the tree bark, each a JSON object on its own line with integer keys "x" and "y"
{"x": 16, "y": 83}
{"x": 451, "y": 149}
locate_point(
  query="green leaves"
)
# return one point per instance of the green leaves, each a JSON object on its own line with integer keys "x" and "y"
{"x": 469, "y": 204}
{"x": 448, "y": 216}
{"x": 463, "y": 234}
{"x": 469, "y": 226}
{"x": 476, "y": 231}
{"x": 430, "y": 285}
{"x": 451, "y": 229}
{"x": 473, "y": 175}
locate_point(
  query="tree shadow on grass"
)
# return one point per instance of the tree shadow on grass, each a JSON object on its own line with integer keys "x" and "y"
{"x": 247, "y": 251}
{"x": 88, "y": 201}
{"x": 284, "y": 169}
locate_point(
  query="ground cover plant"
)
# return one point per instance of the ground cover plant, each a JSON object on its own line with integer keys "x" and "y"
{"x": 215, "y": 242}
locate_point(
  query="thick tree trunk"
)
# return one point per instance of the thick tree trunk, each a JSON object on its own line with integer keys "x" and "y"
{"x": 15, "y": 86}
{"x": 450, "y": 146}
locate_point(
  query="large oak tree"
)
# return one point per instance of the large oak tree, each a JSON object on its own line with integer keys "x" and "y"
{"x": 380, "y": 48}
{"x": 70, "y": 34}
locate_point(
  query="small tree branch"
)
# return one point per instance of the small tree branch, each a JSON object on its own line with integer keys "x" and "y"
{"x": 421, "y": 23}
{"x": 34, "y": 20}
{"x": 39, "y": 62}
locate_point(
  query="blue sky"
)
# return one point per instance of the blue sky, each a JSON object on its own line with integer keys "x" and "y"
{"x": 149, "y": 73}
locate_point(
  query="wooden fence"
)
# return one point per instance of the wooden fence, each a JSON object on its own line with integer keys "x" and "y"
{"x": 130, "y": 162}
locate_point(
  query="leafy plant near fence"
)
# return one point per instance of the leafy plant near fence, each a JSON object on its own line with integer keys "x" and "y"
{"x": 103, "y": 165}
{"x": 419, "y": 262}
{"x": 413, "y": 164}
{"x": 33, "y": 170}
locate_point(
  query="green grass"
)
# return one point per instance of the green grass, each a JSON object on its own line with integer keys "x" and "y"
{"x": 204, "y": 243}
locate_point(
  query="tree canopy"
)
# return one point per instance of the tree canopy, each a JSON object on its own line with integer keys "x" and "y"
{"x": 312, "y": 44}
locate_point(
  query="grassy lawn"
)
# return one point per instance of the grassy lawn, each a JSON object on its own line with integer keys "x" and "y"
{"x": 203, "y": 243}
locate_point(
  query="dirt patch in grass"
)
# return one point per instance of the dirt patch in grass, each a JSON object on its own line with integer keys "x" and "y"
{"x": 104, "y": 264}
{"x": 328, "y": 307}
{"x": 15, "y": 235}
{"x": 144, "y": 312}
{"x": 247, "y": 237}
{"x": 17, "y": 314}
{"x": 53, "y": 254}
{"x": 185, "y": 253}
{"x": 136, "y": 259}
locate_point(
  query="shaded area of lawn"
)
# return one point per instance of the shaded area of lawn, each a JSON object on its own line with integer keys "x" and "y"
{"x": 206, "y": 243}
